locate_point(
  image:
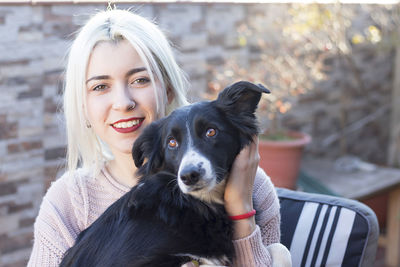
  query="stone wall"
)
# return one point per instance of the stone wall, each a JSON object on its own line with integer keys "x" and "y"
{"x": 34, "y": 41}
{"x": 33, "y": 45}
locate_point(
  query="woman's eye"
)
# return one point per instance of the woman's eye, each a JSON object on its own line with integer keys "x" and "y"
{"x": 172, "y": 143}
{"x": 211, "y": 132}
{"x": 100, "y": 87}
{"x": 141, "y": 81}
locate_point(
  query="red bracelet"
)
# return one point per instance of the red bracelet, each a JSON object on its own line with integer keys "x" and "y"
{"x": 243, "y": 216}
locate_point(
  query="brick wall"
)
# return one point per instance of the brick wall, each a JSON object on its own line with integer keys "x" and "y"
{"x": 33, "y": 44}
{"x": 34, "y": 40}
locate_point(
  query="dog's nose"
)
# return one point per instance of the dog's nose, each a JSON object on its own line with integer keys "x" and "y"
{"x": 190, "y": 175}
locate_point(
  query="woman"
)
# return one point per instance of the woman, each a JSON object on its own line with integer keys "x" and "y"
{"x": 121, "y": 76}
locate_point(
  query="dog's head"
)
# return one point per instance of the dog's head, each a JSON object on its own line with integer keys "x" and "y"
{"x": 198, "y": 143}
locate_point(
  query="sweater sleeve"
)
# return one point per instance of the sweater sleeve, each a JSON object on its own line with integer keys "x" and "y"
{"x": 252, "y": 250}
{"x": 56, "y": 226}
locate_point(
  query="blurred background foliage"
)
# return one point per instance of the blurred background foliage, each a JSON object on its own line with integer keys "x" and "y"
{"x": 293, "y": 61}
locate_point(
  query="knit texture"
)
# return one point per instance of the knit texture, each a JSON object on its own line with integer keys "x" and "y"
{"x": 77, "y": 199}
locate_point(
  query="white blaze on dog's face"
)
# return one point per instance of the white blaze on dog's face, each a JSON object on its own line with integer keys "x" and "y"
{"x": 196, "y": 174}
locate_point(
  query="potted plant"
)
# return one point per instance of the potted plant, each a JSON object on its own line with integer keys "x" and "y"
{"x": 280, "y": 148}
{"x": 280, "y": 156}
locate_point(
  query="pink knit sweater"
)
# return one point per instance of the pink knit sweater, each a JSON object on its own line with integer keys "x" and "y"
{"x": 77, "y": 199}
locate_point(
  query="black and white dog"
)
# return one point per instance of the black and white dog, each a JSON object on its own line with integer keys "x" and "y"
{"x": 176, "y": 212}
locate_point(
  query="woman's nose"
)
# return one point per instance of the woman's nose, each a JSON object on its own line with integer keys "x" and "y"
{"x": 123, "y": 100}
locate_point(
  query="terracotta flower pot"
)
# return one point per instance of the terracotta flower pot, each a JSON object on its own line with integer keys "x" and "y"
{"x": 281, "y": 159}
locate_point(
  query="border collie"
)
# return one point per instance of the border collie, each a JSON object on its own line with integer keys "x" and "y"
{"x": 176, "y": 212}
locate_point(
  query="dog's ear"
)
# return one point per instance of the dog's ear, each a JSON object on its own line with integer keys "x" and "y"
{"x": 239, "y": 102}
{"x": 241, "y": 97}
{"x": 147, "y": 149}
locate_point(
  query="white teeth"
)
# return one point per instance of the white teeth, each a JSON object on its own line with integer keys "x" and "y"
{"x": 126, "y": 124}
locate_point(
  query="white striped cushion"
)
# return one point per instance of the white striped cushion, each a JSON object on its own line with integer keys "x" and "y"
{"x": 322, "y": 230}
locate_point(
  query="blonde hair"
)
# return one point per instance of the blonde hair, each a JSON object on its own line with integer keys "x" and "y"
{"x": 84, "y": 147}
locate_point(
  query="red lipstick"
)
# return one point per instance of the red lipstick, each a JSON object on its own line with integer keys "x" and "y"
{"x": 129, "y": 129}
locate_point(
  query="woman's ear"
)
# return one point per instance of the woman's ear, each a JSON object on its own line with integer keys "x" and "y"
{"x": 170, "y": 95}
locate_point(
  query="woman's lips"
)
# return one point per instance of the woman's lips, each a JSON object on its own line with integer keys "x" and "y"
{"x": 127, "y": 125}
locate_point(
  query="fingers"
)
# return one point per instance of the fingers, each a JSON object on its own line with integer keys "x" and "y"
{"x": 248, "y": 156}
{"x": 239, "y": 188}
{"x": 254, "y": 149}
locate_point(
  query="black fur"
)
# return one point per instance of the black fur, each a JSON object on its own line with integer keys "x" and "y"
{"x": 156, "y": 224}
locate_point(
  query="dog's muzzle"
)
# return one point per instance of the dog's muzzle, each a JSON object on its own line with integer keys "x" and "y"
{"x": 191, "y": 174}
{"x": 195, "y": 173}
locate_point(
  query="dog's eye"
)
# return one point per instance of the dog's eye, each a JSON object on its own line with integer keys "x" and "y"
{"x": 172, "y": 143}
{"x": 211, "y": 132}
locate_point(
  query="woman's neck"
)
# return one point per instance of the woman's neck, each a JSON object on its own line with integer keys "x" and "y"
{"x": 122, "y": 169}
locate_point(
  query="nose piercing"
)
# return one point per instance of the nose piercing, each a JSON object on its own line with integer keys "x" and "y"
{"x": 132, "y": 105}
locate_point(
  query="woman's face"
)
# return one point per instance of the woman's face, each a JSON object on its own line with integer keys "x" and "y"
{"x": 120, "y": 95}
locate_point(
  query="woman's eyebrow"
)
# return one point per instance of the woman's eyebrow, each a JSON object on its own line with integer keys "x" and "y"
{"x": 99, "y": 77}
{"x": 105, "y": 77}
{"x": 135, "y": 70}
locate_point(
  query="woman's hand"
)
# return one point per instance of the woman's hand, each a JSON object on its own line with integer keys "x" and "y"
{"x": 239, "y": 189}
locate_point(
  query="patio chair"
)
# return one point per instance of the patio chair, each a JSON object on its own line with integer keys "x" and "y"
{"x": 322, "y": 230}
